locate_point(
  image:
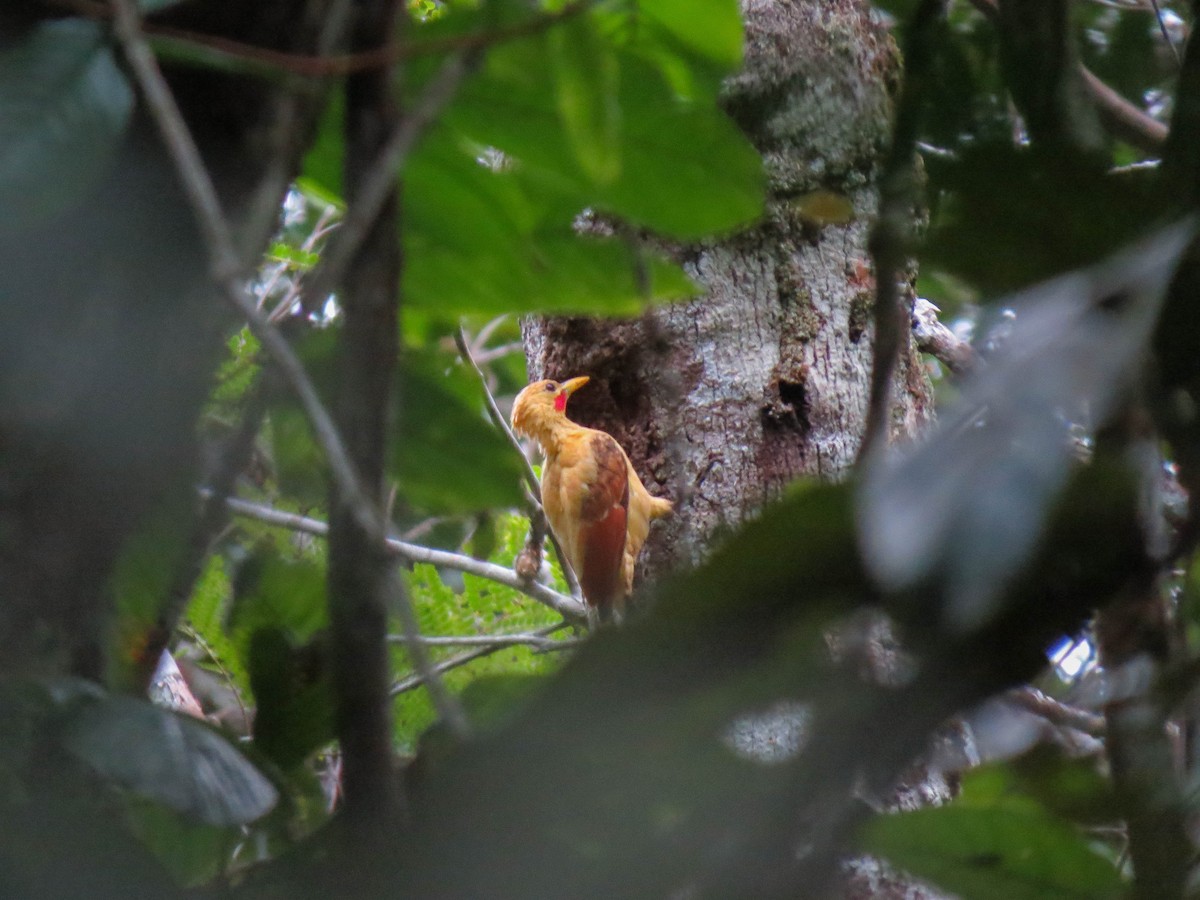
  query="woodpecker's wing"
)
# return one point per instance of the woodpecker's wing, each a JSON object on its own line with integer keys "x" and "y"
{"x": 604, "y": 512}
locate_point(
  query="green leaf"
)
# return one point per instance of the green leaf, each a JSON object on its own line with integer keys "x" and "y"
{"x": 447, "y": 456}
{"x": 294, "y": 714}
{"x": 993, "y": 853}
{"x": 685, "y": 168}
{"x": 494, "y": 239}
{"x": 206, "y": 615}
{"x": 274, "y": 592}
{"x": 322, "y": 167}
{"x": 712, "y": 29}
{"x": 173, "y": 759}
{"x": 586, "y": 78}
{"x": 193, "y": 852}
{"x": 64, "y": 107}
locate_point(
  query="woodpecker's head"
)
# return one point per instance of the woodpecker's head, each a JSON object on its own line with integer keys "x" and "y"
{"x": 543, "y": 404}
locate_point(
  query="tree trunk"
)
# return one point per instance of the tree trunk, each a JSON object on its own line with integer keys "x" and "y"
{"x": 723, "y": 401}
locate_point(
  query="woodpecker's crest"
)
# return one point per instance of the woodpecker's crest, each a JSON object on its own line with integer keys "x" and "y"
{"x": 542, "y": 404}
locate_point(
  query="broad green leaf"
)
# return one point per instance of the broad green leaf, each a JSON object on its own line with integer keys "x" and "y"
{"x": 173, "y": 759}
{"x": 273, "y": 592}
{"x": 322, "y": 167}
{"x": 447, "y": 456}
{"x": 586, "y": 81}
{"x": 294, "y": 703}
{"x": 993, "y": 853}
{"x": 480, "y": 238}
{"x": 712, "y": 28}
{"x": 142, "y": 582}
{"x": 64, "y": 107}
{"x": 685, "y": 171}
{"x": 192, "y": 851}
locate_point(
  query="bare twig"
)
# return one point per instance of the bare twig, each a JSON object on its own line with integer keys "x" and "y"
{"x": 270, "y": 61}
{"x": 1120, "y": 117}
{"x": 1055, "y": 711}
{"x": 493, "y": 353}
{"x": 461, "y": 659}
{"x": 938, "y": 341}
{"x": 380, "y": 181}
{"x": 537, "y": 514}
{"x": 493, "y": 409}
{"x": 447, "y": 705}
{"x": 568, "y": 607}
{"x": 195, "y": 636}
{"x": 1162, "y": 27}
{"x": 224, "y": 265}
{"x": 526, "y": 639}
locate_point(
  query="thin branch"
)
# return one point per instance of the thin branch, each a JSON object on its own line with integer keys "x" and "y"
{"x": 525, "y": 639}
{"x": 537, "y": 514}
{"x": 940, "y": 342}
{"x": 494, "y": 353}
{"x": 322, "y": 65}
{"x": 380, "y": 180}
{"x": 493, "y": 409}
{"x": 193, "y": 635}
{"x": 1056, "y": 712}
{"x": 1162, "y": 27}
{"x": 1121, "y": 118}
{"x": 447, "y": 705}
{"x": 568, "y": 607}
{"x": 892, "y": 236}
{"x": 224, "y": 265}
{"x": 462, "y": 659}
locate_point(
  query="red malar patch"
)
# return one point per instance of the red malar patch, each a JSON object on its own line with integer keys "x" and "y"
{"x": 560, "y": 402}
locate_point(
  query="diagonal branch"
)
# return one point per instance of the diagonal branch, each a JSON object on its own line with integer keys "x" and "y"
{"x": 224, "y": 265}
{"x": 1121, "y": 118}
{"x": 536, "y": 640}
{"x": 569, "y": 608}
{"x": 461, "y": 659}
{"x": 891, "y": 238}
{"x": 273, "y": 63}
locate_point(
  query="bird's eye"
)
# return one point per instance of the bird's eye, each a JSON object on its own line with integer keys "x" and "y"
{"x": 550, "y": 386}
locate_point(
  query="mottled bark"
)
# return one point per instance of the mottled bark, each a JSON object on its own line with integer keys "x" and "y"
{"x": 724, "y": 400}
